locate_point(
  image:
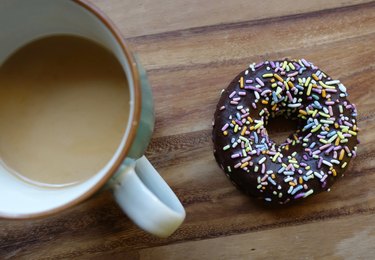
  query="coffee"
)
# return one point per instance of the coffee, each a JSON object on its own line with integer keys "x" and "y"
{"x": 64, "y": 106}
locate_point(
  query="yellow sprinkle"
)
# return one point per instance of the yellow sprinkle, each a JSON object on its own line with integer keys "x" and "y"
{"x": 243, "y": 130}
{"x": 273, "y": 80}
{"x": 241, "y": 82}
{"x": 292, "y": 66}
{"x": 309, "y": 90}
{"x": 273, "y": 176}
{"x": 258, "y": 125}
{"x": 334, "y": 173}
{"x": 323, "y": 114}
{"x": 251, "y": 128}
{"x": 290, "y": 84}
{"x": 292, "y": 184}
{"x": 340, "y": 135}
{"x": 264, "y": 102}
{"x": 244, "y": 164}
{"x": 352, "y": 132}
{"x": 316, "y": 128}
{"x": 250, "y": 119}
{"x": 300, "y": 180}
{"x": 235, "y": 128}
{"x": 322, "y": 140}
{"x": 315, "y": 112}
{"x": 315, "y": 77}
{"x": 284, "y": 65}
{"x": 337, "y": 142}
{"x": 274, "y": 107}
{"x": 336, "y": 125}
{"x": 303, "y": 112}
{"x": 344, "y": 164}
{"x": 307, "y": 81}
{"x": 275, "y": 157}
{"x": 267, "y": 75}
{"x": 324, "y": 93}
{"x": 341, "y": 156}
{"x": 308, "y": 167}
{"x": 355, "y": 127}
{"x": 274, "y": 85}
{"x": 225, "y": 133}
{"x": 286, "y": 85}
{"x": 325, "y": 86}
{"x": 278, "y": 77}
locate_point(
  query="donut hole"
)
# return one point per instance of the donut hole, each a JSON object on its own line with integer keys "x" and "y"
{"x": 280, "y": 128}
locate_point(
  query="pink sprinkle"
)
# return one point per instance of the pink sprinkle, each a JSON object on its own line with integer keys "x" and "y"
{"x": 254, "y": 105}
{"x": 329, "y": 150}
{"x": 249, "y": 81}
{"x": 234, "y": 102}
{"x": 263, "y": 168}
{"x": 305, "y": 63}
{"x": 222, "y": 108}
{"x": 320, "y": 162}
{"x": 236, "y": 99}
{"x": 316, "y": 152}
{"x": 253, "y": 88}
{"x": 236, "y": 155}
{"x": 245, "y": 115}
{"x": 324, "y": 146}
{"x": 232, "y": 94}
{"x": 293, "y": 74}
{"x": 242, "y": 93}
{"x": 225, "y": 127}
{"x": 330, "y": 111}
{"x": 289, "y": 96}
{"x": 237, "y": 165}
{"x": 260, "y": 82}
{"x": 330, "y": 103}
{"x": 246, "y": 159}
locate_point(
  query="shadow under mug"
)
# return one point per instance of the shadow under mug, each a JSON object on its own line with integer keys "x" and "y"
{"x": 138, "y": 188}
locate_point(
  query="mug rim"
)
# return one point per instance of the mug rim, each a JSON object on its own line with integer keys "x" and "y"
{"x": 107, "y": 22}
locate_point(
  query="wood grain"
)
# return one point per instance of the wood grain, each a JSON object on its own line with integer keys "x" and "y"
{"x": 189, "y": 59}
{"x": 350, "y": 238}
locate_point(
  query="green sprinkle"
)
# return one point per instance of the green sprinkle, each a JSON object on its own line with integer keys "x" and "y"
{"x": 316, "y": 128}
{"x": 226, "y": 147}
{"x": 308, "y": 193}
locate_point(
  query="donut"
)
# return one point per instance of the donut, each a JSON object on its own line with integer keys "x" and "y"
{"x": 312, "y": 158}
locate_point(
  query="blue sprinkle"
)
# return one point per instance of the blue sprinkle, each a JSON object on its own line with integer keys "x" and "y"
{"x": 298, "y": 188}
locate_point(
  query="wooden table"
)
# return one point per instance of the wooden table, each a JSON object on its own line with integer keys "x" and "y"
{"x": 191, "y": 50}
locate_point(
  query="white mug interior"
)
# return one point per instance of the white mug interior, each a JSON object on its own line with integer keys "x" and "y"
{"x": 20, "y": 23}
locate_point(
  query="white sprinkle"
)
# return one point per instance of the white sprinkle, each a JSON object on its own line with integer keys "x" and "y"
{"x": 262, "y": 160}
{"x": 332, "y": 82}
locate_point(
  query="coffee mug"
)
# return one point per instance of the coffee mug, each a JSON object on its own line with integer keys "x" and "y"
{"x": 138, "y": 188}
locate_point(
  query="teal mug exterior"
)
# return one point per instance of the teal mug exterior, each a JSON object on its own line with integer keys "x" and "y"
{"x": 137, "y": 187}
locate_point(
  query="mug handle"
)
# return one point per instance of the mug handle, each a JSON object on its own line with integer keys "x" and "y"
{"x": 147, "y": 199}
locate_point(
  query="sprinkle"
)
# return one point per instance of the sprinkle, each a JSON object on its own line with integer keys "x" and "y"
{"x": 344, "y": 165}
{"x": 268, "y": 75}
{"x": 262, "y": 160}
{"x": 332, "y": 82}
{"x": 241, "y": 82}
{"x": 260, "y": 82}
{"x": 225, "y": 127}
{"x": 278, "y": 77}
{"x": 232, "y": 94}
{"x": 226, "y": 147}
{"x": 327, "y": 163}
{"x": 294, "y": 105}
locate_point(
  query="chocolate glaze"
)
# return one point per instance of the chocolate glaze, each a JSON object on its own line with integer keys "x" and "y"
{"x": 308, "y": 171}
